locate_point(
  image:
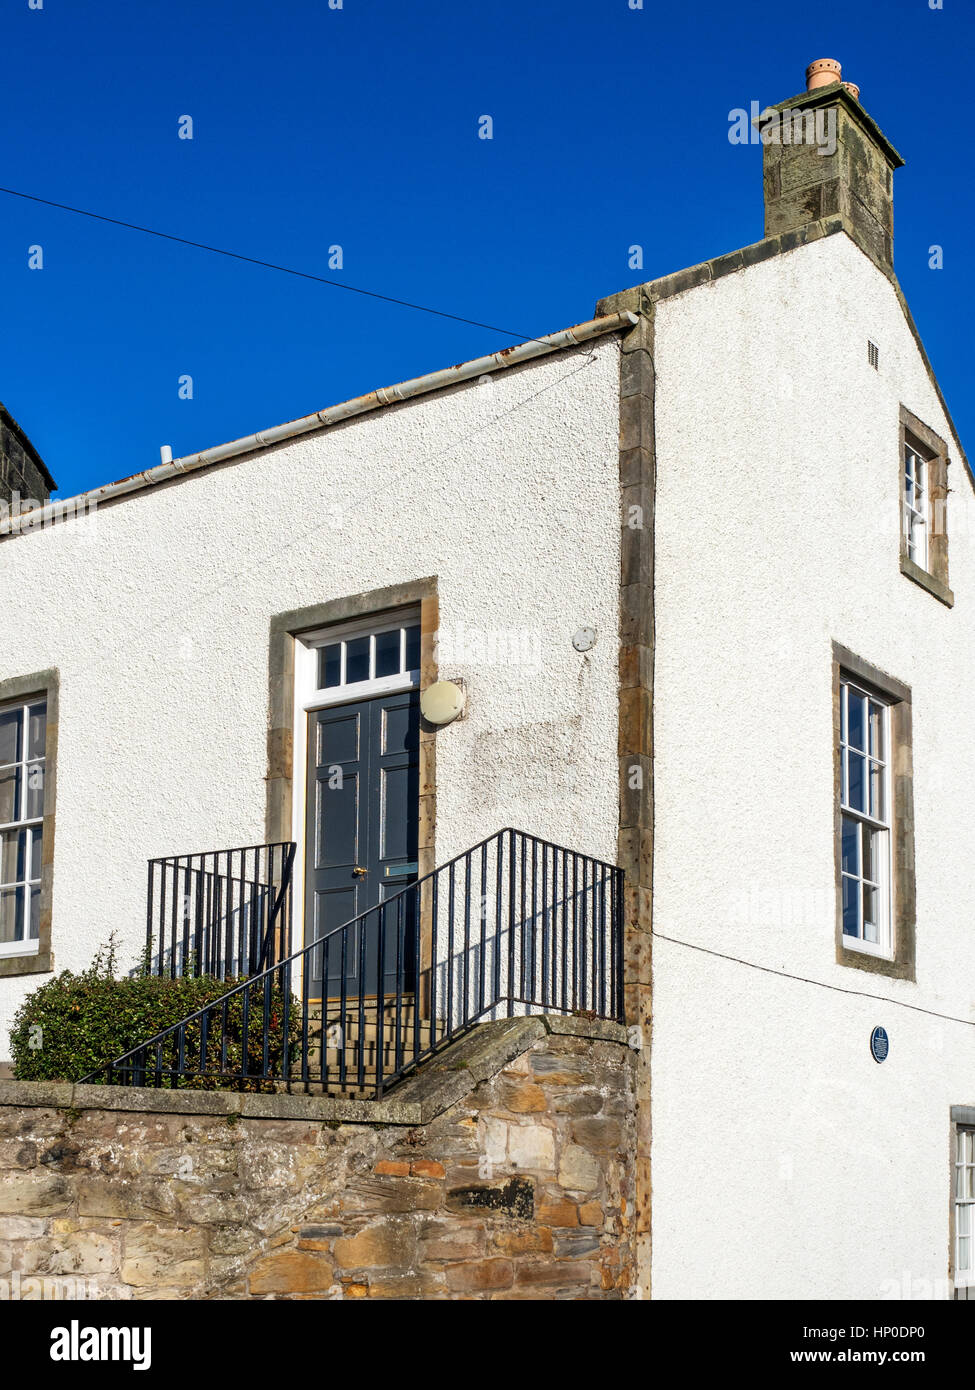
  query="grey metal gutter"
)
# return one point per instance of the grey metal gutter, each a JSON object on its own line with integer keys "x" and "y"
{"x": 361, "y": 405}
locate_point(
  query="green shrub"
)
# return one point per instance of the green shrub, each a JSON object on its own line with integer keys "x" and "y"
{"x": 74, "y": 1024}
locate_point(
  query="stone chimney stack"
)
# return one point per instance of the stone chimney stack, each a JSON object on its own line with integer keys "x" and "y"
{"x": 23, "y": 475}
{"x": 825, "y": 157}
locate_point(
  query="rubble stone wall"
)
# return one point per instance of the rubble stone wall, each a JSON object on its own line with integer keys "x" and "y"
{"x": 504, "y": 1170}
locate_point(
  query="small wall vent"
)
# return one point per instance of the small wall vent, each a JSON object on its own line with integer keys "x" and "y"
{"x": 873, "y": 355}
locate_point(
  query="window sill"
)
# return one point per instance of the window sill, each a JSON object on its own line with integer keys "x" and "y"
{"x": 866, "y": 948}
{"x": 876, "y": 965}
{"x": 927, "y": 581}
{"x": 34, "y": 963}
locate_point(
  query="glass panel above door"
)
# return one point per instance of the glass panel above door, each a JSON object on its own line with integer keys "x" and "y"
{"x": 390, "y": 654}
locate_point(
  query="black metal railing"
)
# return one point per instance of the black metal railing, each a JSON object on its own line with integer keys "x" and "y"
{"x": 516, "y": 925}
{"x": 225, "y": 913}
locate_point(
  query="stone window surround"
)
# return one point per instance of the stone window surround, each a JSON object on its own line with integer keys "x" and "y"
{"x": 903, "y": 890}
{"x": 39, "y": 685}
{"x": 285, "y": 629}
{"x": 962, "y": 1117}
{"x": 934, "y": 451}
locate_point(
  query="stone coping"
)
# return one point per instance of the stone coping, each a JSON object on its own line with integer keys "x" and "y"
{"x": 641, "y": 299}
{"x": 665, "y": 286}
{"x": 438, "y": 1084}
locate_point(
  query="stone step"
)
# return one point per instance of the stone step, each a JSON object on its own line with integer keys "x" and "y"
{"x": 369, "y": 1018}
{"x": 333, "y": 1083}
{"x": 333, "y": 1059}
{"x": 369, "y": 1051}
{"x": 333, "y": 1090}
{"x": 346, "y": 1036}
{"x": 353, "y": 1030}
{"x": 334, "y": 1006}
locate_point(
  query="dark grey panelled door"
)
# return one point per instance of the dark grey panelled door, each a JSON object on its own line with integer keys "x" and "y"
{"x": 361, "y": 831}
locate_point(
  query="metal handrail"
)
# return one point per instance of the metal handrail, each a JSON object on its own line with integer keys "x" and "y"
{"x": 412, "y": 973}
{"x": 219, "y": 912}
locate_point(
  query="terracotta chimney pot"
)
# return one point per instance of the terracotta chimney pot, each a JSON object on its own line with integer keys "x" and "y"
{"x": 823, "y": 73}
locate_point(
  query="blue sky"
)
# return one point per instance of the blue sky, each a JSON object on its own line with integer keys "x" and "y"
{"x": 358, "y": 127}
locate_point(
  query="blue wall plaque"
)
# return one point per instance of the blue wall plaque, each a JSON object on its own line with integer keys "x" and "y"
{"x": 879, "y": 1044}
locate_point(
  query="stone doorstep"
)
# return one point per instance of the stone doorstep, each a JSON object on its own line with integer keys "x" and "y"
{"x": 440, "y": 1083}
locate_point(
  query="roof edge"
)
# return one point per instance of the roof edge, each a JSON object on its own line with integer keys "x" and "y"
{"x": 360, "y": 405}
{"x": 642, "y": 299}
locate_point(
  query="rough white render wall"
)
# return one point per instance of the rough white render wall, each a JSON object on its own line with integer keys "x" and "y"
{"x": 786, "y": 1162}
{"x": 157, "y": 617}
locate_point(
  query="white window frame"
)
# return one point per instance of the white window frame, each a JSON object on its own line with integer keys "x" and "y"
{"x": 916, "y": 505}
{"x": 880, "y": 822}
{"x": 310, "y": 695}
{"x": 963, "y": 1199}
{"x": 29, "y": 825}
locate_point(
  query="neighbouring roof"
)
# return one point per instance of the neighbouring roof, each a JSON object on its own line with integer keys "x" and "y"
{"x": 11, "y": 424}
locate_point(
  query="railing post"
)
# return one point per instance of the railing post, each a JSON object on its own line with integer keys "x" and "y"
{"x": 563, "y": 854}
{"x": 498, "y": 918}
{"x": 418, "y": 988}
{"x": 465, "y": 1012}
{"x": 254, "y": 957}
{"x": 286, "y": 1025}
{"x": 222, "y": 907}
{"x": 512, "y": 868}
{"x": 200, "y": 942}
{"x": 290, "y": 901}
{"x": 449, "y": 1002}
{"x": 380, "y": 996}
{"x": 180, "y": 899}
{"x": 603, "y": 927}
{"x": 343, "y": 1024}
{"x": 150, "y": 895}
{"x": 482, "y": 914}
{"x": 434, "y": 936}
{"x": 618, "y": 931}
{"x": 546, "y": 930}
{"x": 401, "y": 986}
{"x": 280, "y": 885}
{"x": 361, "y": 956}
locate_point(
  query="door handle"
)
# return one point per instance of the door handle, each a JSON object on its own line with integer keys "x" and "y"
{"x": 357, "y": 872}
